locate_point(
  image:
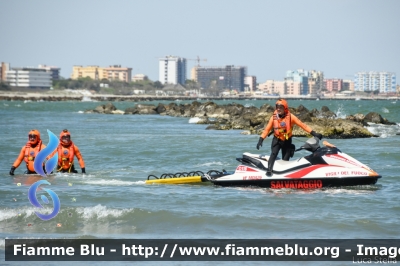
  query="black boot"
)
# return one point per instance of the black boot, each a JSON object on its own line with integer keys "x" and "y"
{"x": 270, "y": 166}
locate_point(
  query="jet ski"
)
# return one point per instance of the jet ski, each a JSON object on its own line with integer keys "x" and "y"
{"x": 326, "y": 166}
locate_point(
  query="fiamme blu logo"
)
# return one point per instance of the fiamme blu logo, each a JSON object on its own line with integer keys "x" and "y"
{"x": 49, "y": 155}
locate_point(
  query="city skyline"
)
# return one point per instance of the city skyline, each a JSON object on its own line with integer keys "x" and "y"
{"x": 339, "y": 38}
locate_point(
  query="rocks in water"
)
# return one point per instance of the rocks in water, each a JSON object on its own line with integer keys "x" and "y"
{"x": 108, "y": 108}
{"x": 377, "y": 119}
{"x": 253, "y": 120}
{"x": 142, "y": 109}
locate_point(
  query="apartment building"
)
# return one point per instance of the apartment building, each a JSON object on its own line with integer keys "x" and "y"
{"x": 172, "y": 70}
{"x": 383, "y": 82}
{"x": 114, "y": 72}
{"x": 3, "y": 68}
{"x": 229, "y": 77}
{"x": 348, "y": 85}
{"x": 29, "y": 77}
{"x": 140, "y": 77}
{"x": 301, "y": 76}
{"x": 55, "y": 71}
{"x": 93, "y": 72}
{"x": 294, "y": 88}
{"x": 333, "y": 85}
{"x": 315, "y": 82}
{"x": 250, "y": 83}
{"x": 287, "y": 87}
{"x": 271, "y": 87}
{"x": 312, "y": 81}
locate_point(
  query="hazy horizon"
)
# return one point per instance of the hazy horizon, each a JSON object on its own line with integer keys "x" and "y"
{"x": 339, "y": 38}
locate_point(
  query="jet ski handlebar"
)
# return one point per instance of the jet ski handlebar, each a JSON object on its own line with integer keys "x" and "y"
{"x": 312, "y": 144}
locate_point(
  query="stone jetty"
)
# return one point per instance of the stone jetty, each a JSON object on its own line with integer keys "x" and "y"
{"x": 252, "y": 120}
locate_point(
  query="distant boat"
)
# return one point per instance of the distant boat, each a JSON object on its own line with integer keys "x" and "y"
{"x": 357, "y": 99}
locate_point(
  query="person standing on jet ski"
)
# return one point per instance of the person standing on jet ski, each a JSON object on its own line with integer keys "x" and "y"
{"x": 282, "y": 122}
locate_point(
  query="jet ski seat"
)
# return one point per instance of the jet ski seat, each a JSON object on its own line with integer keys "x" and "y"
{"x": 283, "y": 166}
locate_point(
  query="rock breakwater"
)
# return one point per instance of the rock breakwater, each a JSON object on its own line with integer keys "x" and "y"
{"x": 252, "y": 120}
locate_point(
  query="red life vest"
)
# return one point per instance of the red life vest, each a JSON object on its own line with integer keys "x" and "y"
{"x": 282, "y": 126}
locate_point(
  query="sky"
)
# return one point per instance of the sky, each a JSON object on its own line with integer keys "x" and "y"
{"x": 338, "y": 37}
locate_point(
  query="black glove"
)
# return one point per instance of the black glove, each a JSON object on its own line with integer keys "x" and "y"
{"x": 83, "y": 170}
{"x": 315, "y": 134}
{"x": 12, "y": 170}
{"x": 259, "y": 144}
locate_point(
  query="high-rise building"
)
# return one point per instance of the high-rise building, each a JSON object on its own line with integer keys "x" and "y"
{"x": 220, "y": 78}
{"x": 172, "y": 70}
{"x": 383, "y": 82}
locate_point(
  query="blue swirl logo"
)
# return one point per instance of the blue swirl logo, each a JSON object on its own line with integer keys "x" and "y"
{"x": 35, "y": 202}
{"x": 43, "y": 154}
{"x": 50, "y": 164}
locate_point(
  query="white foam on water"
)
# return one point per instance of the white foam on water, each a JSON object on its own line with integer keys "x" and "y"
{"x": 99, "y": 211}
{"x": 26, "y": 211}
{"x": 349, "y": 190}
{"x": 194, "y": 120}
{"x": 112, "y": 182}
{"x": 340, "y": 113}
{"x": 87, "y": 99}
{"x": 211, "y": 164}
{"x": 83, "y": 92}
{"x": 383, "y": 131}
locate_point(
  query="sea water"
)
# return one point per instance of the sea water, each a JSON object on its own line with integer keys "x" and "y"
{"x": 121, "y": 151}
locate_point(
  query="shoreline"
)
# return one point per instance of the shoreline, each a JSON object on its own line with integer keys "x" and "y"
{"x": 86, "y": 95}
